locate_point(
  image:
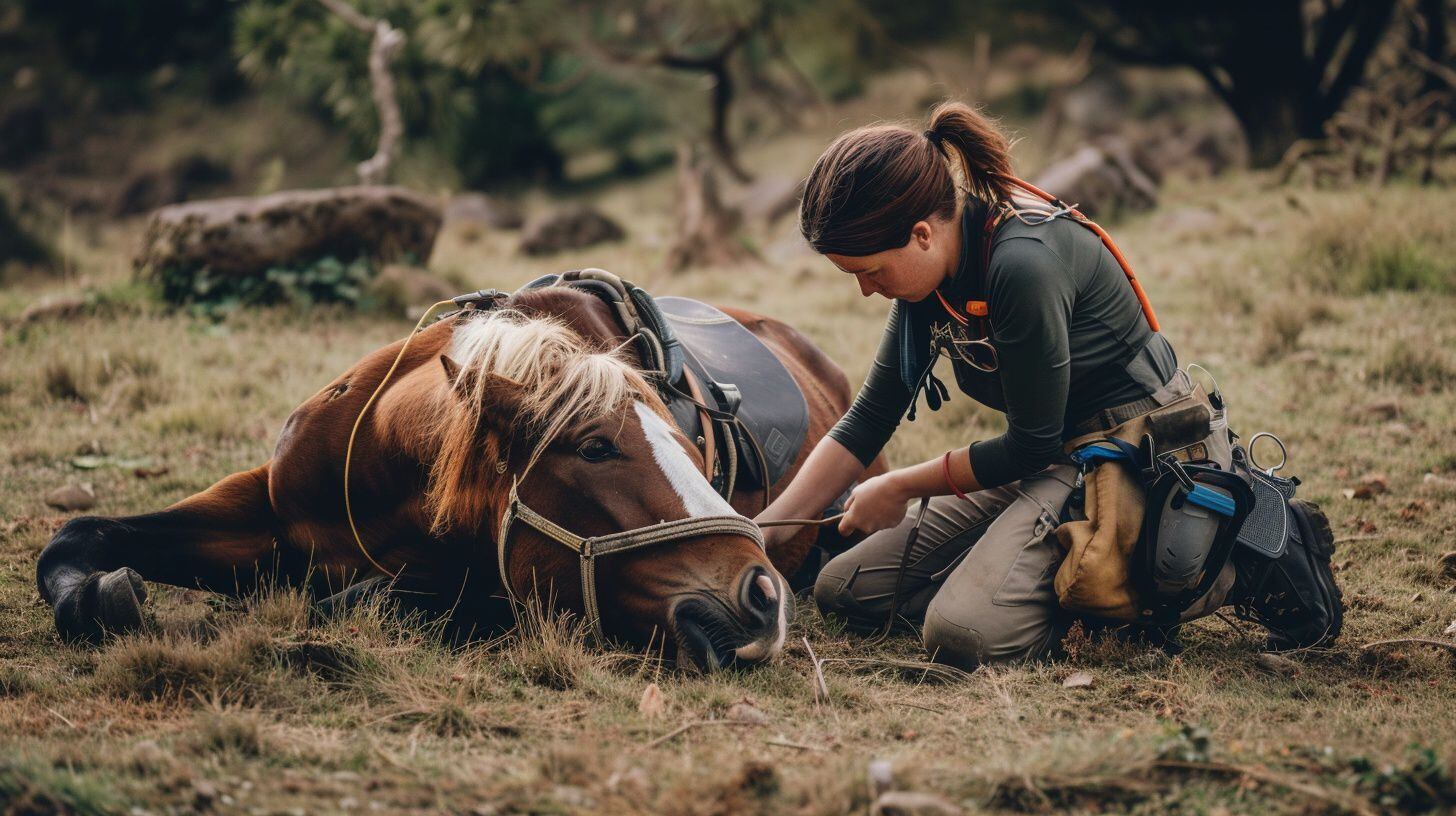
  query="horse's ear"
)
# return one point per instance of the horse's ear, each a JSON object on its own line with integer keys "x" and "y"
{"x": 501, "y": 399}
{"x": 452, "y": 368}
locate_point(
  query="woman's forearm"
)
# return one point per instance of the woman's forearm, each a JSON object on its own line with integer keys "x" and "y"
{"x": 929, "y": 478}
{"x": 826, "y": 474}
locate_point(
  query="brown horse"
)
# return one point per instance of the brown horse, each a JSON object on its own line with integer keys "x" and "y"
{"x": 533, "y": 400}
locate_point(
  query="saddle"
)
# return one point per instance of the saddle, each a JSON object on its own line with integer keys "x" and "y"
{"x": 725, "y": 389}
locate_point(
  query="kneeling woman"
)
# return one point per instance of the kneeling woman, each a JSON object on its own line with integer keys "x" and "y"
{"x": 1040, "y": 322}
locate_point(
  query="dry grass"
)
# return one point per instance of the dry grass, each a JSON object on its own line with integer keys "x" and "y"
{"x": 246, "y": 706}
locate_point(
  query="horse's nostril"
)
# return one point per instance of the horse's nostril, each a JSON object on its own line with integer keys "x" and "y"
{"x": 766, "y": 586}
{"x": 761, "y": 596}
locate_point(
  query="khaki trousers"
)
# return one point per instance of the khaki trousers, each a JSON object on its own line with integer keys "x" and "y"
{"x": 979, "y": 580}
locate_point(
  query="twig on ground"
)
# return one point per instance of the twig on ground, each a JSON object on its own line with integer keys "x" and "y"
{"x": 1271, "y": 777}
{"x": 686, "y": 727}
{"x": 939, "y": 671}
{"x": 783, "y": 743}
{"x": 1410, "y": 641}
{"x": 931, "y": 709}
{"x": 821, "y": 689}
{"x": 62, "y": 717}
{"x": 1349, "y": 538}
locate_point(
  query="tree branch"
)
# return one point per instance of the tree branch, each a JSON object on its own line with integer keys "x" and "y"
{"x": 386, "y": 44}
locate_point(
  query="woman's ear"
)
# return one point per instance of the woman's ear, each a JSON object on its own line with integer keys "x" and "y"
{"x": 922, "y": 234}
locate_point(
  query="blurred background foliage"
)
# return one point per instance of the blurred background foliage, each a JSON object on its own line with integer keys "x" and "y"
{"x": 528, "y": 91}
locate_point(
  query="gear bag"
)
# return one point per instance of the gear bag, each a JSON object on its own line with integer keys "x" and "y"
{"x": 1126, "y": 563}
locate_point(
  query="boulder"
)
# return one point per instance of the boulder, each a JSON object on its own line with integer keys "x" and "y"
{"x": 1102, "y": 180}
{"x": 244, "y": 237}
{"x": 479, "y": 209}
{"x": 574, "y": 227}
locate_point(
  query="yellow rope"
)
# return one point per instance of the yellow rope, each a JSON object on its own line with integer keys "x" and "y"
{"x": 359, "y": 420}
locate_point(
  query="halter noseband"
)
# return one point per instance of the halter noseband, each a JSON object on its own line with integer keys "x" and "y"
{"x": 589, "y": 549}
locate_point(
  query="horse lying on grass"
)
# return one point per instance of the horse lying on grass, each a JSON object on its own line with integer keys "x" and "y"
{"x": 502, "y": 436}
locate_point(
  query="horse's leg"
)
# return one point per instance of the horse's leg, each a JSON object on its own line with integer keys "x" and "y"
{"x": 222, "y": 539}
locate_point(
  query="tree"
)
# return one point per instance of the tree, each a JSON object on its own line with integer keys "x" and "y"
{"x": 1284, "y": 67}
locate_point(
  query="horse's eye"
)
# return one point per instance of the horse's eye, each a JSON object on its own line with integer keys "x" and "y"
{"x": 597, "y": 449}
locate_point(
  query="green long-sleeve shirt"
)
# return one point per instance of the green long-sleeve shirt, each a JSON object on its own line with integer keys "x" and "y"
{"x": 1065, "y": 324}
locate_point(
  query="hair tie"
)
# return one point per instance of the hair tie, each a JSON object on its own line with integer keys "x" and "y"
{"x": 934, "y": 136}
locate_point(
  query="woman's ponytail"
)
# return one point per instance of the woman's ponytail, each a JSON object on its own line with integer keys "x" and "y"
{"x": 984, "y": 151}
{"x": 871, "y": 186}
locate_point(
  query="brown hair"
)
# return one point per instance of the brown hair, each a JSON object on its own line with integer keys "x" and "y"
{"x": 875, "y": 182}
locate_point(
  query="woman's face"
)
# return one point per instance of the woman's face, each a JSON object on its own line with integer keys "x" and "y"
{"x": 911, "y": 272}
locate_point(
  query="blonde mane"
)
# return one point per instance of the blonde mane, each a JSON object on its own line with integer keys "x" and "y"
{"x": 563, "y": 380}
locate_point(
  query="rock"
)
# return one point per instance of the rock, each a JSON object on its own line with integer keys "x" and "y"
{"x": 479, "y": 209}
{"x": 1438, "y": 485}
{"x": 408, "y": 289}
{"x": 1450, "y": 629}
{"x": 912, "y": 803}
{"x": 1078, "y": 680}
{"x": 652, "y": 705}
{"x": 1371, "y": 485}
{"x": 573, "y": 227}
{"x": 72, "y": 497}
{"x": 1277, "y": 664}
{"x": 244, "y": 237}
{"x": 881, "y": 775}
{"x": 746, "y": 712}
{"x": 204, "y": 794}
{"x": 56, "y": 307}
{"x": 1448, "y": 567}
{"x": 1101, "y": 180}
{"x": 1380, "y": 409}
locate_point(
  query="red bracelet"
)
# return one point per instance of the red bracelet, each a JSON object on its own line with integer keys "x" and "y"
{"x": 945, "y": 469}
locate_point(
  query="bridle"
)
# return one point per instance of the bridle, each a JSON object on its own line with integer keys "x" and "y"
{"x": 590, "y": 548}
{"x": 587, "y": 548}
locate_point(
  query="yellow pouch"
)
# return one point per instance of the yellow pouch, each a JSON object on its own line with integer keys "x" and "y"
{"x": 1095, "y": 577}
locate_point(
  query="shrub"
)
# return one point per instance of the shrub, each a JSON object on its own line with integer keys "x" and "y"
{"x": 326, "y": 280}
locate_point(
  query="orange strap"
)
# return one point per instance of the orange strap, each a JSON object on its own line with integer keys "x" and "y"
{"x": 1137, "y": 288}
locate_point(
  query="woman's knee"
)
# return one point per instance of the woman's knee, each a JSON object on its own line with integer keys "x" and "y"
{"x": 834, "y": 588}
{"x": 971, "y": 634}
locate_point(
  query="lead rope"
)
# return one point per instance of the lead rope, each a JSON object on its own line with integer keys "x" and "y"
{"x": 359, "y": 420}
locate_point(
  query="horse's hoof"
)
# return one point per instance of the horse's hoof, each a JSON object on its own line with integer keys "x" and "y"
{"x": 107, "y": 603}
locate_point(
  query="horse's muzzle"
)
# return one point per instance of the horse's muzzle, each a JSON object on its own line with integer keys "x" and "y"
{"x": 713, "y": 634}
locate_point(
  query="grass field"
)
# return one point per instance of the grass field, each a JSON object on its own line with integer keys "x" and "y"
{"x": 1326, "y": 316}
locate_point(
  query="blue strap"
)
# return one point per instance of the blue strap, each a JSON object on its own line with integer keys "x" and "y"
{"x": 1124, "y": 452}
{"x": 1211, "y": 499}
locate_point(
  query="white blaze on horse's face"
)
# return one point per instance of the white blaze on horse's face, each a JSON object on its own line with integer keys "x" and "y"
{"x": 698, "y": 497}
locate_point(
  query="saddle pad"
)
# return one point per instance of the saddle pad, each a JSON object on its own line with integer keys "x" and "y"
{"x": 722, "y": 350}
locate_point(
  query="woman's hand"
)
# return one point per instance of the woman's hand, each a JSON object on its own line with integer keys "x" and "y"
{"x": 875, "y": 504}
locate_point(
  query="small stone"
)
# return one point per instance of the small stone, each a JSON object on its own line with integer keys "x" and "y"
{"x": 1381, "y": 409}
{"x": 1450, "y": 629}
{"x": 1443, "y": 485}
{"x": 652, "y": 705}
{"x": 1418, "y": 597}
{"x": 204, "y": 794}
{"x": 1448, "y": 566}
{"x": 72, "y": 497}
{"x": 1371, "y": 485}
{"x": 1277, "y": 664}
{"x": 914, "y": 803}
{"x": 881, "y": 777}
{"x": 1078, "y": 680}
{"x": 747, "y": 712}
